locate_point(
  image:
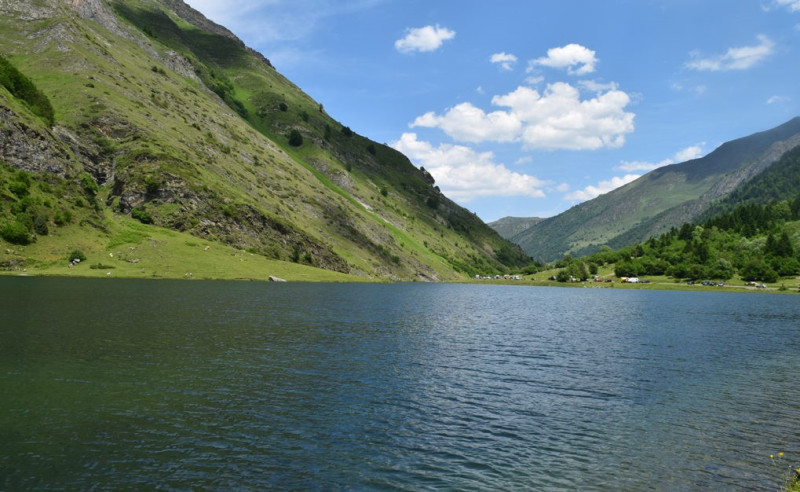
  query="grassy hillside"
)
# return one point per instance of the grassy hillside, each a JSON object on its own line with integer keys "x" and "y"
{"x": 659, "y": 200}
{"x": 181, "y": 127}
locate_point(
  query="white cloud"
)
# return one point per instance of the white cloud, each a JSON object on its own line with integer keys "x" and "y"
{"x": 594, "y": 86}
{"x": 534, "y": 80}
{"x": 428, "y": 38}
{"x": 464, "y": 174}
{"x": 506, "y": 60}
{"x": 778, "y": 99}
{"x": 689, "y": 153}
{"x": 740, "y": 58}
{"x": 559, "y": 119}
{"x": 468, "y": 123}
{"x": 602, "y": 187}
{"x": 568, "y": 57}
{"x": 555, "y": 119}
{"x": 793, "y": 5}
{"x": 683, "y": 155}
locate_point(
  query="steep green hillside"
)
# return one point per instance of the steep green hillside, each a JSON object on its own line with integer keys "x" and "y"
{"x": 664, "y": 198}
{"x": 166, "y": 118}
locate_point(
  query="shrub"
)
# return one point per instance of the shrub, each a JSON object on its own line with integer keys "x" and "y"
{"x": 76, "y": 254}
{"x": 40, "y": 220}
{"x": 295, "y": 138}
{"x": 141, "y": 215}
{"x": 89, "y": 184}
{"x": 151, "y": 185}
{"x": 15, "y": 233}
{"x": 18, "y": 188}
{"x": 62, "y": 217}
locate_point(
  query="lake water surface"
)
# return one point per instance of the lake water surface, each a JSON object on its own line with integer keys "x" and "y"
{"x": 178, "y": 385}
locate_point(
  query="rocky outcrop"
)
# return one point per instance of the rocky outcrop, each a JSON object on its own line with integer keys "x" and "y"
{"x": 30, "y": 149}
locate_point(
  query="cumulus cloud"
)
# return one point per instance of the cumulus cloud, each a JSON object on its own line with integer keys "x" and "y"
{"x": 740, "y": 58}
{"x": 556, "y": 119}
{"x": 428, "y": 38}
{"x": 464, "y": 174}
{"x": 468, "y": 123}
{"x": 602, "y": 187}
{"x": 506, "y": 60}
{"x": 569, "y": 57}
{"x": 560, "y": 119}
{"x": 683, "y": 155}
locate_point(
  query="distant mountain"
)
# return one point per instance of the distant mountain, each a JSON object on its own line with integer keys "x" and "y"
{"x": 508, "y": 227}
{"x": 664, "y": 198}
{"x": 161, "y": 116}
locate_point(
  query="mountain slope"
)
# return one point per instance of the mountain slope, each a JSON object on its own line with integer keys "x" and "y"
{"x": 509, "y": 227}
{"x": 659, "y": 200}
{"x": 163, "y": 116}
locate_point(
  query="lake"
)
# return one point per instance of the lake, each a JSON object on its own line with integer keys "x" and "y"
{"x": 185, "y": 385}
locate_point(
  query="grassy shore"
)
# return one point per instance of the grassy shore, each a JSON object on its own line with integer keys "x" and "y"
{"x": 131, "y": 250}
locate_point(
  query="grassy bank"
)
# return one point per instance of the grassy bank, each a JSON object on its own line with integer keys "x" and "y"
{"x": 129, "y": 249}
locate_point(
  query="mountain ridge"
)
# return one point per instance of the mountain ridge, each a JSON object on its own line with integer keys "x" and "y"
{"x": 661, "y": 199}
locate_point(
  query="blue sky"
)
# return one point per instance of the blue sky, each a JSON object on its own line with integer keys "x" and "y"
{"x": 526, "y": 108}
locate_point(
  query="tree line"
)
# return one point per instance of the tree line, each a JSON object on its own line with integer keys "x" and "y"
{"x": 757, "y": 242}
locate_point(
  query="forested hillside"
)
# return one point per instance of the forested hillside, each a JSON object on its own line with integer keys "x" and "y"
{"x": 753, "y": 242}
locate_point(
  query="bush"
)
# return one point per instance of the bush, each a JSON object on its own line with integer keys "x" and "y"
{"x": 40, "y": 220}
{"x": 15, "y": 233}
{"x": 151, "y": 185}
{"x": 76, "y": 254}
{"x": 295, "y": 138}
{"x": 19, "y": 188}
{"x": 62, "y": 217}
{"x": 141, "y": 215}
{"x": 89, "y": 184}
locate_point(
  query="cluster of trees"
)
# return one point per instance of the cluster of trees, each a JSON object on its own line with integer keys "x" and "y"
{"x": 25, "y": 90}
{"x": 757, "y": 242}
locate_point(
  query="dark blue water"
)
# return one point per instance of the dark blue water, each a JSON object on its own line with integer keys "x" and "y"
{"x": 182, "y": 385}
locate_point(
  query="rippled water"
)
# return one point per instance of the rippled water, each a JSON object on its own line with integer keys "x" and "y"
{"x": 224, "y": 385}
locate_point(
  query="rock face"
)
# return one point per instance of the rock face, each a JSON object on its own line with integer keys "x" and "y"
{"x": 30, "y": 149}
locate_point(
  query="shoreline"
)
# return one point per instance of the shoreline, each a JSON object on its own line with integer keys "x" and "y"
{"x": 326, "y": 277}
